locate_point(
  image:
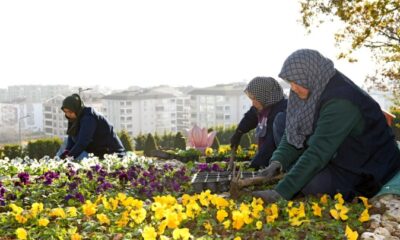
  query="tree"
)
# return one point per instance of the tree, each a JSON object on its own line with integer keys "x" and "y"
{"x": 140, "y": 141}
{"x": 126, "y": 140}
{"x": 149, "y": 145}
{"x": 180, "y": 142}
{"x": 371, "y": 24}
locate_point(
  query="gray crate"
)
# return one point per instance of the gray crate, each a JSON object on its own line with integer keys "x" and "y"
{"x": 217, "y": 182}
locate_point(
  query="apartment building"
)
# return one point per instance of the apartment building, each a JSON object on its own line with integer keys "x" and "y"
{"x": 158, "y": 109}
{"x": 219, "y": 105}
{"x": 3, "y": 95}
{"x": 36, "y": 93}
{"x": 54, "y": 122}
{"x": 19, "y": 118}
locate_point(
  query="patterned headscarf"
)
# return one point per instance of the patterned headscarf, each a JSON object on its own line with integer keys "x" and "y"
{"x": 266, "y": 90}
{"x": 309, "y": 69}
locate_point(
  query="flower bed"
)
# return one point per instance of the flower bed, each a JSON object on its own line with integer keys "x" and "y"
{"x": 138, "y": 198}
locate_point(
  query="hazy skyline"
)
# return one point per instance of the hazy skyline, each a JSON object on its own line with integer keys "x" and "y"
{"x": 147, "y": 43}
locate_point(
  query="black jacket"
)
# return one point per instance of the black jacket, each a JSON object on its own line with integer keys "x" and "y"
{"x": 95, "y": 135}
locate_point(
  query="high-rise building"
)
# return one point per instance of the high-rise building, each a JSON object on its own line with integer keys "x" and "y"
{"x": 158, "y": 109}
{"x": 36, "y": 93}
{"x": 220, "y": 105}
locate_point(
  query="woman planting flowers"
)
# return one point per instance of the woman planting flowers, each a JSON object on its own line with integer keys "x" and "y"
{"x": 337, "y": 139}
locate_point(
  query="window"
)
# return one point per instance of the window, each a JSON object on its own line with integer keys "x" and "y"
{"x": 219, "y": 116}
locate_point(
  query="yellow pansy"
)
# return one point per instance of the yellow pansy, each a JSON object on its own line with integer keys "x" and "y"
{"x": 209, "y": 152}
{"x": 181, "y": 233}
{"x": 161, "y": 227}
{"x": 166, "y": 200}
{"x": 103, "y": 219}
{"x": 121, "y": 196}
{"x": 297, "y": 211}
{"x": 76, "y": 236}
{"x": 138, "y": 215}
{"x": 219, "y": 202}
{"x": 221, "y": 215}
{"x": 317, "y": 211}
{"x": 114, "y": 203}
{"x": 296, "y": 215}
{"x": 365, "y": 202}
{"x": 149, "y": 233}
{"x": 36, "y": 209}
{"x": 192, "y": 210}
{"x": 205, "y": 197}
{"x": 186, "y": 199}
{"x": 20, "y": 218}
{"x": 43, "y": 222}
{"x": 364, "y": 217}
{"x": 208, "y": 227}
{"x": 254, "y": 146}
{"x": 297, "y": 221}
{"x": 324, "y": 199}
{"x": 172, "y": 219}
{"x": 259, "y": 225}
{"x": 158, "y": 209}
{"x": 222, "y": 150}
{"x": 339, "y": 198}
{"x": 105, "y": 203}
{"x": 237, "y": 220}
{"x": 72, "y": 212}
{"x": 227, "y": 224}
{"x": 350, "y": 234}
{"x": 123, "y": 220}
{"x": 272, "y": 213}
{"x": 251, "y": 153}
{"x": 57, "y": 212}
{"x": 21, "y": 233}
{"x": 89, "y": 208}
{"x": 339, "y": 212}
{"x": 16, "y": 209}
{"x": 237, "y": 238}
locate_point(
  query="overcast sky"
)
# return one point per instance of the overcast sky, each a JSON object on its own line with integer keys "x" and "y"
{"x": 148, "y": 43}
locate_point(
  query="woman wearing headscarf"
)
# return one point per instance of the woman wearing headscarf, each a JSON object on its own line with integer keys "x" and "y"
{"x": 267, "y": 116}
{"x": 88, "y": 131}
{"x": 336, "y": 140}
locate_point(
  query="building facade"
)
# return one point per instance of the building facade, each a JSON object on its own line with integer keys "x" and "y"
{"x": 36, "y": 93}
{"x": 153, "y": 110}
{"x": 220, "y": 105}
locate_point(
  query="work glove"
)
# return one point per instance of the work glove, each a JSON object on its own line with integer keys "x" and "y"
{"x": 273, "y": 169}
{"x": 268, "y": 196}
{"x": 235, "y": 139}
{"x": 64, "y": 155}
